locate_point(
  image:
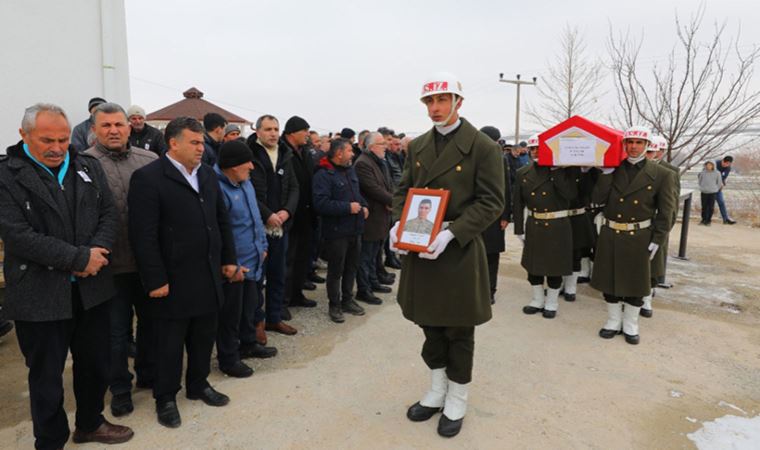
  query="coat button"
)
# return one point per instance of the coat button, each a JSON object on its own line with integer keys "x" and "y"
{"x": 209, "y": 228}
{"x": 50, "y": 267}
{"x": 620, "y": 216}
{"x": 22, "y": 267}
{"x": 201, "y": 199}
{"x": 543, "y": 193}
{"x": 459, "y": 168}
{"x": 621, "y": 200}
{"x": 649, "y": 188}
{"x": 418, "y": 164}
{"x": 532, "y": 194}
{"x": 546, "y": 209}
{"x": 524, "y": 180}
{"x": 617, "y": 231}
{"x": 632, "y": 233}
{"x": 635, "y": 202}
{"x": 633, "y": 218}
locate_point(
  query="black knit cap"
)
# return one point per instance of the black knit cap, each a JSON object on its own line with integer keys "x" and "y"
{"x": 492, "y": 132}
{"x": 95, "y": 101}
{"x": 234, "y": 153}
{"x": 295, "y": 124}
{"x": 347, "y": 133}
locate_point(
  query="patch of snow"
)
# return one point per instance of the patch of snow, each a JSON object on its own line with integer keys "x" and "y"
{"x": 691, "y": 419}
{"x": 676, "y": 394}
{"x": 728, "y": 432}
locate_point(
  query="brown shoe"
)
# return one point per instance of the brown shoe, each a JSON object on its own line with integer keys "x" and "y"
{"x": 281, "y": 327}
{"x": 261, "y": 335}
{"x": 107, "y": 433}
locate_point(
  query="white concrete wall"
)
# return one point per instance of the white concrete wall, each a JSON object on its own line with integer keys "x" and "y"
{"x": 62, "y": 52}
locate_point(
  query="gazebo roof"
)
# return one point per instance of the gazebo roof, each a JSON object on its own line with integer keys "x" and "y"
{"x": 194, "y": 106}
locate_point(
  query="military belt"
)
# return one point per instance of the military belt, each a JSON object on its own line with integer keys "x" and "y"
{"x": 576, "y": 212}
{"x": 549, "y": 215}
{"x": 631, "y": 226}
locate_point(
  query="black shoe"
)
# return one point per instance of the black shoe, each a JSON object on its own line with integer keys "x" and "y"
{"x": 532, "y": 310}
{"x": 393, "y": 263}
{"x": 584, "y": 280}
{"x": 5, "y": 327}
{"x": 419, "y": 413}
{"x": 631, "y": 339}
{"x": 381, "y": 289}
{"x": 368, "y": 297}
{"x": 645, "y": 313}
{"x": 608, "y": 334}
{"x": 336, "y": 314}
{"x": 121, "y": 404}
{"x": 352, "y": 307}
{"x": 302, "y": 302}
{"x": 386, "y": 279}
{"x": 549, "y": 314}
{"x": 257, "y": 350}
{"x": 285, "y": 315}
{"x": 168, "y": 414}
{"x": 568, "y": 297}
{"x": 314, "y": 278}
{"x": 237, "y": 370}
{"x": 448, "y": 427}
{"x": 309, "y": 286}
{"x": 729, "y": 222}
{"x": 210, "y": 397}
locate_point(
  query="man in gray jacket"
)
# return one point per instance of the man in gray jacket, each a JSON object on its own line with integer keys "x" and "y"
{"x": 58, "y": 224}
{"x": 119, "y": 160}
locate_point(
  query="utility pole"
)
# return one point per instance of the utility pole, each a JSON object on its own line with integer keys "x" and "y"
{"x": 518, "y": 82}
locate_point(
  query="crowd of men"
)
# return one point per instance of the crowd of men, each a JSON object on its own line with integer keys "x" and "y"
{"x": 209, "y": 239}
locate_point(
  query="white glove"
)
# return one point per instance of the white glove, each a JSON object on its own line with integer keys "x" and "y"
{"x": 521, "y": 238}
{"x": 438, "y": 246}
{"x": 652, "y": 250}
{"x": 393, "y": 239}
{"x": 607, "y": 170}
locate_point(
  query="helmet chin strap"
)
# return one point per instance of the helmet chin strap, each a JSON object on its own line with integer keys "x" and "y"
{"x": 451, "y": 113}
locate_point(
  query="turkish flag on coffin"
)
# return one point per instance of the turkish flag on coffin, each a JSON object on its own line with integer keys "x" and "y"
{"x": 580, "y": 142}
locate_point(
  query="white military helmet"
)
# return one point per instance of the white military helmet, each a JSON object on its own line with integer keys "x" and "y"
{"x": 638, "y": 132}
{"x": 661, "y": 142}
{"x": 652, "y": 147}
{"x": 441, "y": 83}
{"x": 533, "y": 141}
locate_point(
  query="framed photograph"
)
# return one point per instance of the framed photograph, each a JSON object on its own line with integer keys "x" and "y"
{"x": 422, "y": 218}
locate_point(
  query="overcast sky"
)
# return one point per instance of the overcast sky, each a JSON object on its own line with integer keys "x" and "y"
{"x": 361, "y": 64}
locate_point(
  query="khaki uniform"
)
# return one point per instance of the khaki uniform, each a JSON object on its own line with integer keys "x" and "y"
{"x": 658, "y": 263}
{"x": 548, "y": 249}
{"x": 419, "y": 225}
{"x": 621, "y": 264}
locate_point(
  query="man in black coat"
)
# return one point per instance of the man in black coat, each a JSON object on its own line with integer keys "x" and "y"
{"x": 180, "y": 233}
{"x": 295, "y": 137}
{"x": 58, "y": 224}
{"x": 143, "y": 135}
{"x": 277, "y": 194}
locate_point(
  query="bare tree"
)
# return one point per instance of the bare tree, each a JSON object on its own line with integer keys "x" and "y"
{"x": 699, "y": 99}
{"x": 572, "y": 84}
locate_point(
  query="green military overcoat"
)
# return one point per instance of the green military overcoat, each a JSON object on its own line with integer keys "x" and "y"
{"x": 658, "y": 263}
{"x": 548, "y": 249}
{"x": 453, "y": 290}
{"x": 621, "y": 262}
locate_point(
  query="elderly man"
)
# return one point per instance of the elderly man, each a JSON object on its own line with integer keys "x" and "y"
{"x": 144, "y": 135}
{"x": 377, "y": 188}
{"x": 443, "y": 290}
{"x": 231, "y": 132}
{"x": 119, "y": 160}
{"x": 58, "y": 224}
{"x": 180, "y": 232}
{"x": 637, "y": 219}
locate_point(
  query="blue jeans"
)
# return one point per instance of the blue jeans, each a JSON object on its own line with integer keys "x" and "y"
{"x": 722, "y": 206}
{"x": 275, "y": 278}
{"x": 366, "y": 276}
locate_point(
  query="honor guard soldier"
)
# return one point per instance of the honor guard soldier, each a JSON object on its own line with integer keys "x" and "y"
{"x": 584, "y": 236}
{"x": 444, "y": 290}
{"x": 655, "y": 152}
{"x": 544, "y": 195}
{"x": 637, "y": 218}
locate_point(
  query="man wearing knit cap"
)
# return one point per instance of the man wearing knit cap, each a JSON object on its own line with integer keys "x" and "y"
{"x": 231, "y": 132}
{"x": 82, "y": 135}
{"x": 144, "y": 135}
{"x": 233, "y": 169}
{"x": 294, "y": 139}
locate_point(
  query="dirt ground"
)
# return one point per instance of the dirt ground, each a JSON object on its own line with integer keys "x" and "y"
{"x": 537, "y": 383}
